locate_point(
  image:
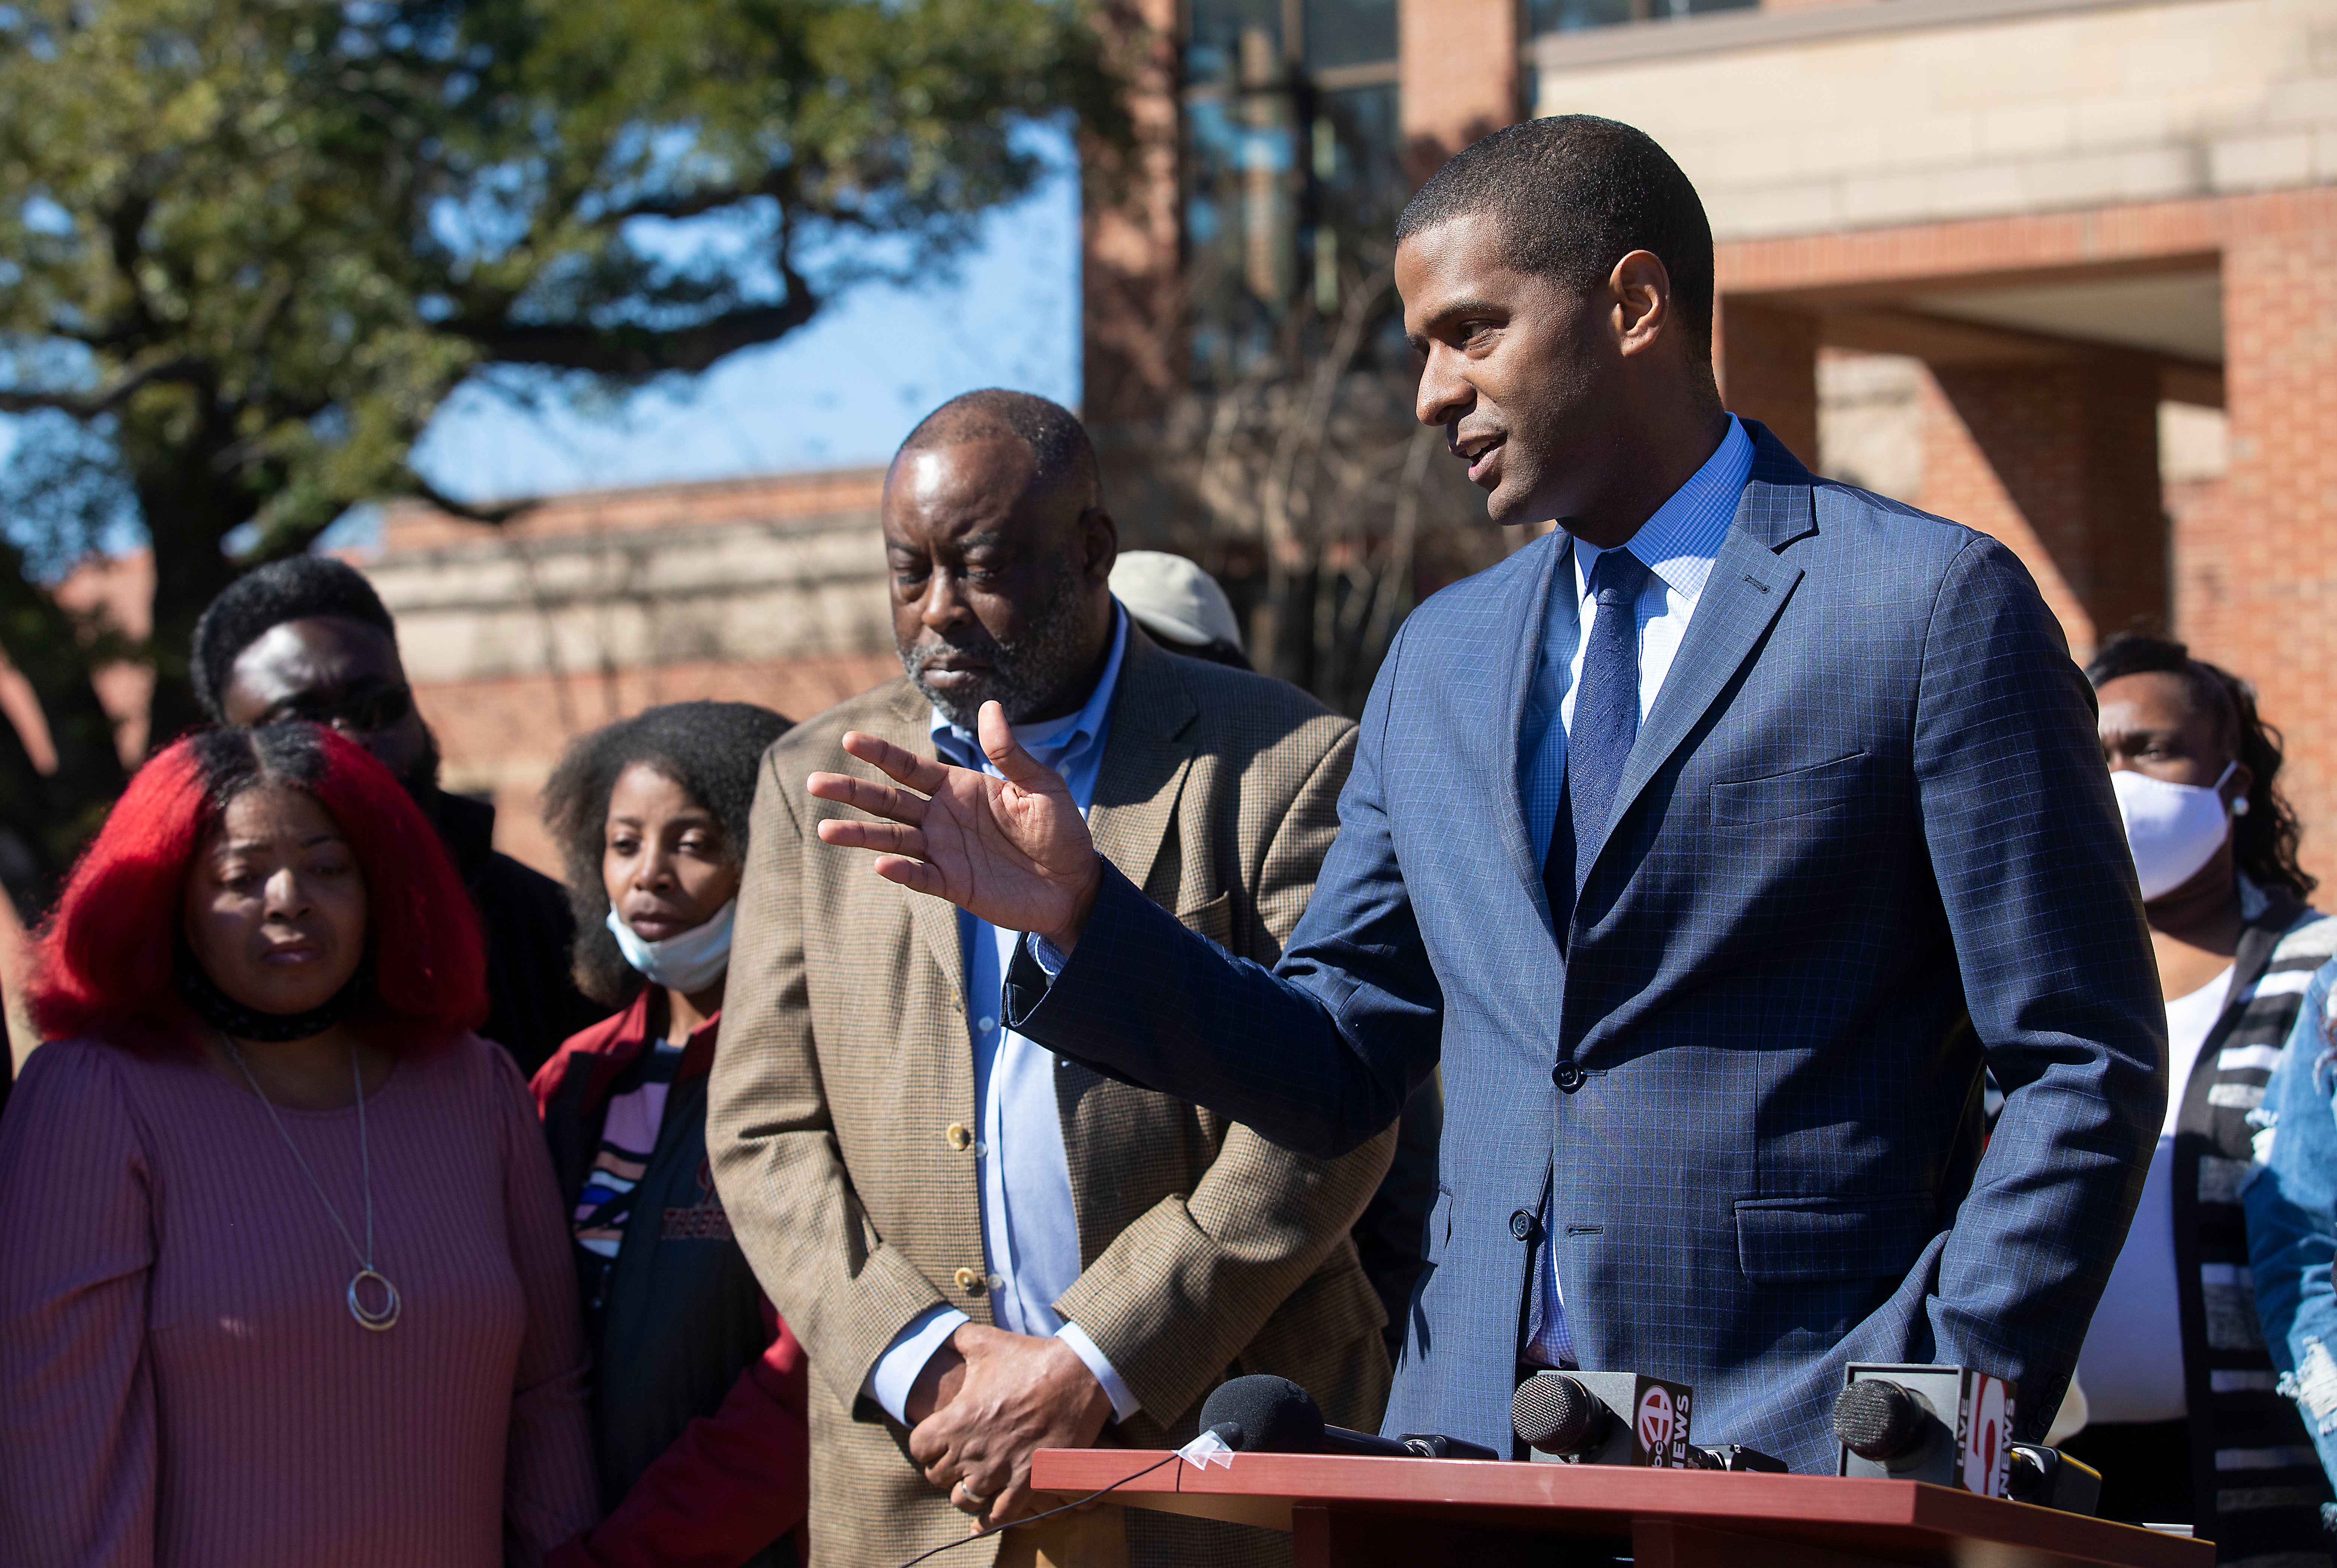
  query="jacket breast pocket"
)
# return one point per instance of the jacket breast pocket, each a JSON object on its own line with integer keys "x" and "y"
{"x": 1807, "y": 791}
{"x": 1800, "y": 1241}
{"x": 1214, "y": 919}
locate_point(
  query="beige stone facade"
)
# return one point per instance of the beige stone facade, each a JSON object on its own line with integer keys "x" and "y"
{"x": 522, "y": 636}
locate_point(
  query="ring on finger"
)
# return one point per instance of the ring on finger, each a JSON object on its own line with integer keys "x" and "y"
{"x": 973, "y": 1498}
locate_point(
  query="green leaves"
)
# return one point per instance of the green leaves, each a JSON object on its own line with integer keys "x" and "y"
{"x": 264, "y": 239}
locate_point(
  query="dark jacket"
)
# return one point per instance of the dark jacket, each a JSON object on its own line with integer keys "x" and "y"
{"x": 532, "y": 1004}
{"x": 698, "y": 1397}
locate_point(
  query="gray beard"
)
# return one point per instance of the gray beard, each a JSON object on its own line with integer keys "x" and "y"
{"x": 1023, "y": 673}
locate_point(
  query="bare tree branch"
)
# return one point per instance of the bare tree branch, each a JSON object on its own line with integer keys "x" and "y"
{"x": 90, "y": 405}
{"x": 496, "y": 513}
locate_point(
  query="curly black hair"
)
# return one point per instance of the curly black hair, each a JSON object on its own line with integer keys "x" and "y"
{"x": 2265, "y": 840}
{"x": 300, "y": 588}
{"x": 710, "y": 749}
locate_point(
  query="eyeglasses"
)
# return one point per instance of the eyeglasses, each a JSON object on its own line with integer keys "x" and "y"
{"x": 368, "y": 710}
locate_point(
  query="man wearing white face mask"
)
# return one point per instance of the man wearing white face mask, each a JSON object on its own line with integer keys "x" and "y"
{"x": 2185, "y": 1422}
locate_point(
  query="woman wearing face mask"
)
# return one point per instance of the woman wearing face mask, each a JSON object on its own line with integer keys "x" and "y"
{"x": 282, "y": 1275}
{"x": 697, "y": 1408}
{"x": 2186, "y": 1425}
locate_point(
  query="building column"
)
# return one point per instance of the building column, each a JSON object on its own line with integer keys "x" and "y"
{"x": 1767, "y": 360}
{"x": 1457, "y": 76}
{"x": 2059, "y": 459}
{"x": 1132, "y": 286}
{"x": 2260, "y": 573}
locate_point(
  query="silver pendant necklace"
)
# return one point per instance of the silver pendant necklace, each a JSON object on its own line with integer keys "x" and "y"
{"x": 380, "y": 1319}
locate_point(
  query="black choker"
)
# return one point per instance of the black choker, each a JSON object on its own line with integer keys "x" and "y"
{"x": 224, "y": 1012}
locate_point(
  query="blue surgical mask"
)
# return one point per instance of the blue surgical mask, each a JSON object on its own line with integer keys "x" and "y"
{"x": 688, "y": 963}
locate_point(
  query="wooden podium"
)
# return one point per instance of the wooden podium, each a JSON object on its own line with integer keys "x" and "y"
{"x": 1367, "y": 1512}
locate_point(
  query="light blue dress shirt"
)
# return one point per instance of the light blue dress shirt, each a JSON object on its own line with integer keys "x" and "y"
{"x": 1030, "y": 1228}
{"x": 1677, "y": 546}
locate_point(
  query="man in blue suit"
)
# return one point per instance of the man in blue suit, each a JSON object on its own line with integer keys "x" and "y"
{"x": 1715, "y": 843}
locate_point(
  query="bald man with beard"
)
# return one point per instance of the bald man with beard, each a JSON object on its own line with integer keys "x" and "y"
{"x": 987, "y": 1249}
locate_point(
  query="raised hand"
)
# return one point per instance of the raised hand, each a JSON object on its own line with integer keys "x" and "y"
{"x": 1012, "y": 851}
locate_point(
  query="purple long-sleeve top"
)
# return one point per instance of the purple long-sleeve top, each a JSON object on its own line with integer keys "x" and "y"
{"x": 182, "y": 1383}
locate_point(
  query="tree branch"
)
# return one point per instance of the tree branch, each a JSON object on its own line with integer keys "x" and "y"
{"x": 495, "y": 512}
{"x": 89, "y": 405}
{"x": 641, "y": 351}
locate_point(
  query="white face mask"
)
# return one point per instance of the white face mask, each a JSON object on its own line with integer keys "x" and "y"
{"x": 2173, "y": 829}
{"x": 687, "y": 962}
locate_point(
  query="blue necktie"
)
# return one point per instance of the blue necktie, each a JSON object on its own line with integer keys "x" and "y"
{"x": 1606, "y": 723}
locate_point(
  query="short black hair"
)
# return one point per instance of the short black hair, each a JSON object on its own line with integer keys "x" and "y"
{"x": 2264, "y": 841}
{"x": 298, "y": 588}
{"x": 1571, "y": 195}
{"x": 1058, "y": 442}
{"x": 712, "y": 750}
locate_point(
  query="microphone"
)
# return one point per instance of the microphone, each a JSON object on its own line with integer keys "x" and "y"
{"x": 1263, "y": 1413}
{"x": 2051, "y": 1479}
{"x": 1950, "y": 1425}
{"x": 1606, "y": 1418}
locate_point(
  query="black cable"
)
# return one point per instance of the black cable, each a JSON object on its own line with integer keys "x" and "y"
{"x": 1050, "y": 1513}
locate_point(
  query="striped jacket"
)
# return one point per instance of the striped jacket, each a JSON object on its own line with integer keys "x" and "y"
{"x": 2256, "y": 1480}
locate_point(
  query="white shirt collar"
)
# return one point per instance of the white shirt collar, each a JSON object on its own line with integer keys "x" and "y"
{"x": 1682, "y": 540}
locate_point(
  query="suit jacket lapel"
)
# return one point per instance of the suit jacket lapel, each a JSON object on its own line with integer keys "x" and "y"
{"x": 1146, "y": 757}
{"x": 935, "y": 920}
{"x": 1109, "y": 1126}
{"x": 1532, "y": 621}
{"x": 1748, "y": 587}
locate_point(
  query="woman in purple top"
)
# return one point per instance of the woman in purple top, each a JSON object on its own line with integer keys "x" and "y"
{"x": 283, "y": 1281}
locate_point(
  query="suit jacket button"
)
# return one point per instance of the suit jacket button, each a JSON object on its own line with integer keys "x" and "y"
{"x": 972, "y": 1281}
{"x": 1568, "y": 1077}
{"x": 1522, "y": 1224}
{"x": 959, "y": 1139}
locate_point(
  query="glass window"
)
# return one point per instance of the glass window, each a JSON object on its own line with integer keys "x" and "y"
{"x": 1291, "y": 187}
{"x": 1222, "y": 29}
{"x": 1568, "y": 15}
{"x": 1349, "y": 33}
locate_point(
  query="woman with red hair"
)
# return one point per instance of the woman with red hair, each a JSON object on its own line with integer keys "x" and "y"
{"x": 283, "y": 1275}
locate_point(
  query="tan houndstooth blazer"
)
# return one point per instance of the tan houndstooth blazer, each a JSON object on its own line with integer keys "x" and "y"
{"x": 844, "y": 1062}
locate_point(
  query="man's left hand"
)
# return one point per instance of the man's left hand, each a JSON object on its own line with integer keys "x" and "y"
{"x": 1019, "y": 1394}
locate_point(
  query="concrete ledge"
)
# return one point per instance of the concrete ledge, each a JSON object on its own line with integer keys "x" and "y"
{"x": 1727, "y": 30}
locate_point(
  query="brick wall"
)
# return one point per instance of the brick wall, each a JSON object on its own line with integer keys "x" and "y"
{"x": 500, "y": 736}
{"x": 1458, "y": 62}
{"x": 1766, "y": 358}
{"x": 2253, "y": 583}
{"x": 2264, "y": 598}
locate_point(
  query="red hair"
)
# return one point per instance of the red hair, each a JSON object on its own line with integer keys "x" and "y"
{"x": 102, "y": 960}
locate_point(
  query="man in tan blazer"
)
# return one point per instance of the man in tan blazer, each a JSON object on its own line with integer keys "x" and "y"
{"x": 984, "y": 1250}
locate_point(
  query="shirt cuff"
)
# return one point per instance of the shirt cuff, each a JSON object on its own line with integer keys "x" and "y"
{"x": 1050, "y": 959}
{"x": 896, "y": 1372}
{"x": 1124, "y": 1402}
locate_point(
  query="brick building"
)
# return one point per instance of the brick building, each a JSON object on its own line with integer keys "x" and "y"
{"x": 2064, "y": 269}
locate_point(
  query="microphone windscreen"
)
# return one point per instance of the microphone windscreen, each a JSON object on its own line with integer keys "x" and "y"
{"x": 1275, "y": 1415}
{"x": 1555, "y": 1414}
{"x": 1878, "y": 1420}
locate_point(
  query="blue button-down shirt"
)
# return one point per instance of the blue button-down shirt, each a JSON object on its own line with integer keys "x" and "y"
{"x": 1677, "y": 546}
{"x": 1030, "y": 1228}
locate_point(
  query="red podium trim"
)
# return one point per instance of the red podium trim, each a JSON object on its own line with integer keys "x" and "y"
{"x": 1900, "y": 1521}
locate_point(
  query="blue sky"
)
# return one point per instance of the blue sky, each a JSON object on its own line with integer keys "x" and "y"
{"x": 843, "y": 390}
{"x": 839, "y": 392}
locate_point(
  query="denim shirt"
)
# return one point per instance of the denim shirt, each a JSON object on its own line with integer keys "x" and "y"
{"x": 2291, "y": 1197}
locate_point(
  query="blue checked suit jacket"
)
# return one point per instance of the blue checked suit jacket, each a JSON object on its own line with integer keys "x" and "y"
{"x": 1863, "y": 846}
